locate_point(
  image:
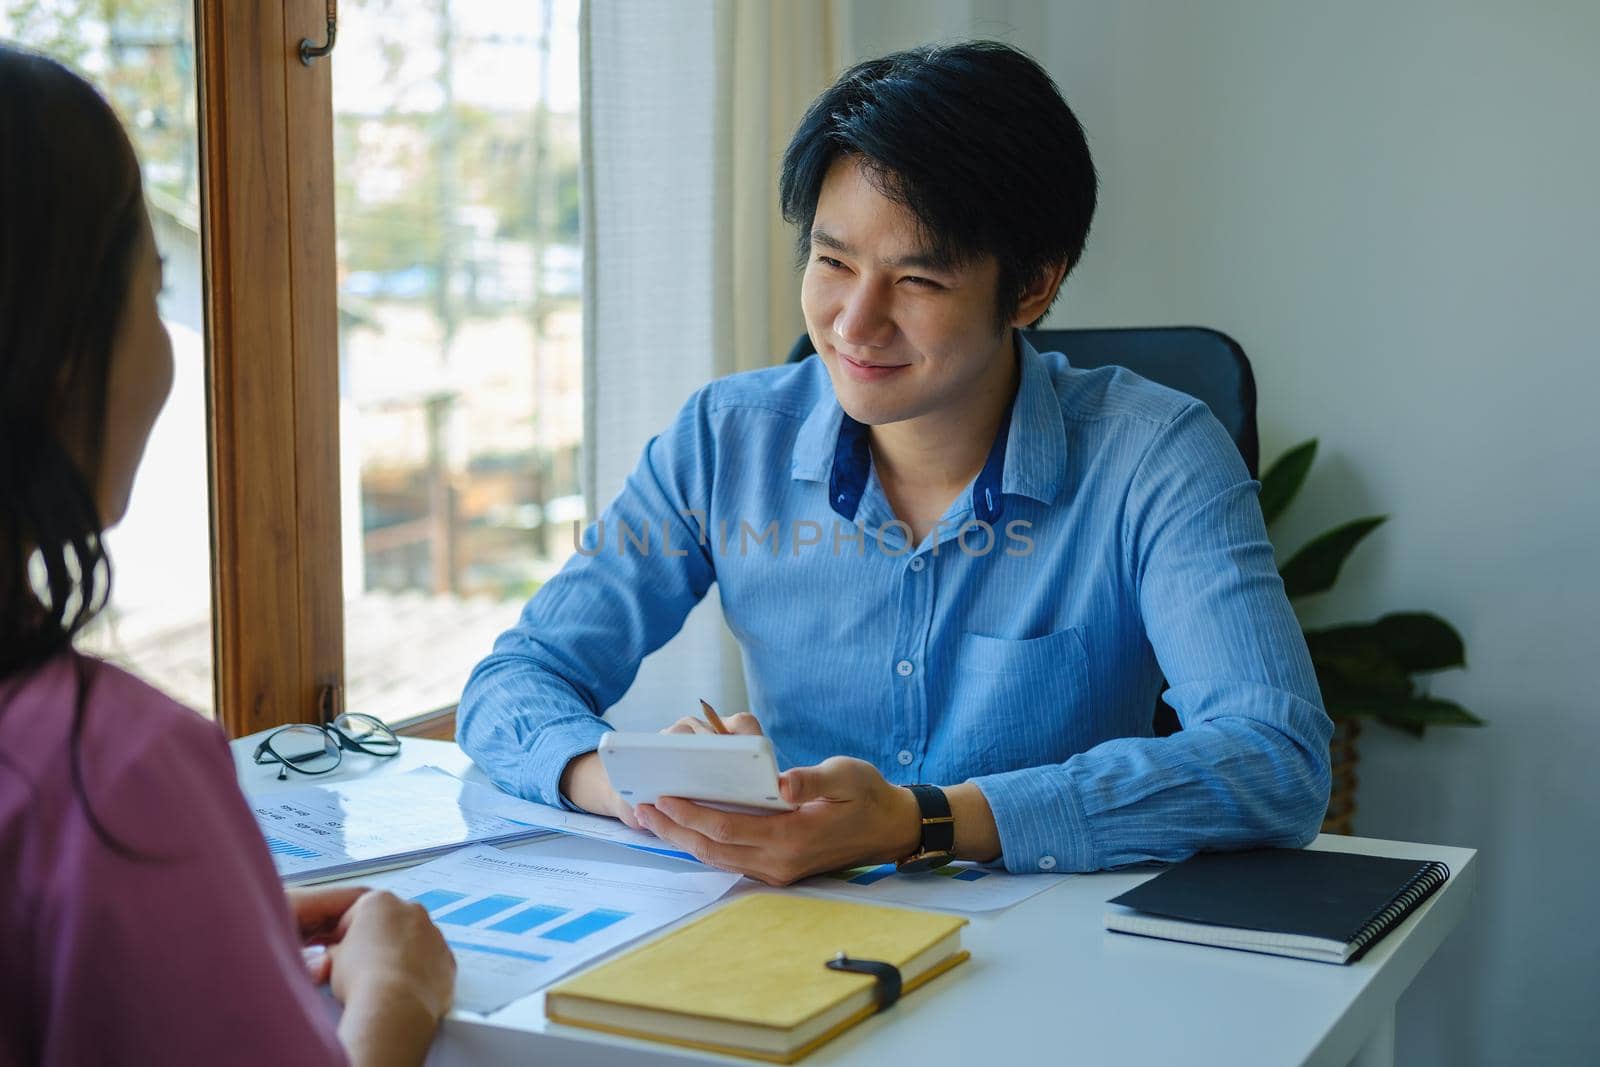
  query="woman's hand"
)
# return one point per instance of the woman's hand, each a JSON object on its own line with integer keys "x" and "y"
{"x": 391, "y": 944}
{"x": 317, "y": 913}
{"x": 395, "y": 976}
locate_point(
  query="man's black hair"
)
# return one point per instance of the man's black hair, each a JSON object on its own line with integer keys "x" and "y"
{"x": 973, "y": 139}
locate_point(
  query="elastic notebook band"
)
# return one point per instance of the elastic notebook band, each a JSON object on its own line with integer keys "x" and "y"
{"x": 886, "y": 975}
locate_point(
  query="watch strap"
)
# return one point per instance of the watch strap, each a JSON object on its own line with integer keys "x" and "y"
{"x": 938, "y": 843}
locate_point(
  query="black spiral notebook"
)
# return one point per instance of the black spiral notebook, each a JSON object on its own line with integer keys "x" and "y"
{"x": 1329, "y": 906}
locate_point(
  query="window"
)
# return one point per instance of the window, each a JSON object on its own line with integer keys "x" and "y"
{"x": 374, "y": 439}
{"x": 455, "y": 127}
{"x": 141, "y": 53}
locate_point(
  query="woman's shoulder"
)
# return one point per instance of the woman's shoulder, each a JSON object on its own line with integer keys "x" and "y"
{"x": 89, "y": 754}
{"x": 141, "y": 787}
{"x": 119, "y": 721}
{"x": 120, "y": 864}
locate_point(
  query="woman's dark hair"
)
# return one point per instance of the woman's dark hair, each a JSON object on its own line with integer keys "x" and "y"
{"x": 71, "y": 216}
{"x": 977, "y": 143}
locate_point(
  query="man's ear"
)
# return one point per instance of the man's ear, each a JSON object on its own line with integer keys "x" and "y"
{"x": 1038, "y": 294}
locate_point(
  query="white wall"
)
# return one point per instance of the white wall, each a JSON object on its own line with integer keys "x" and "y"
{"x": 1395, "y": 208}
{"x": 651, "y": 329}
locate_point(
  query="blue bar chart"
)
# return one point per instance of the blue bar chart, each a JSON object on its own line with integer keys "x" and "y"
{"x": 584, "y": 925}
{"x": 517, "y": 920}
{"x": 865, "y": 875}
{"x": 960, "y": 886}
{"x": 870, "y": 875}
{"x": 478, "y": 910}
{"x": 434, "y": 899}
{"x": 277, "y": 846}
{"x": 498, "y": 950}
{"x": 526, "y": 920}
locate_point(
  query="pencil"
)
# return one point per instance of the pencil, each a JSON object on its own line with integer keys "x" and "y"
{"x": 713, "y": 719}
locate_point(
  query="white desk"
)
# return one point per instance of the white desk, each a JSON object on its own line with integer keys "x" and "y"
{"x": 1046, "y": 981}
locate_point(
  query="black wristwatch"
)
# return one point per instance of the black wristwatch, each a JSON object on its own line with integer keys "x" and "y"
{"x": 938, "y": 845}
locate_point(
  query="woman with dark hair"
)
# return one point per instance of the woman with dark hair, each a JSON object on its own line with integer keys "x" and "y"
{"x": 140, "y": 917}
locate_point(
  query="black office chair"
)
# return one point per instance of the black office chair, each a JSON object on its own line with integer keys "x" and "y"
{"x": 1207, "y": 364}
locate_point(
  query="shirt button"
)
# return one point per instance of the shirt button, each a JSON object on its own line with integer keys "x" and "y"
{"x": 1047, "y": 863}
{"x": 905, "y": 758}
{"x": 918, "y": 563}
{"x": 903, "y": 668}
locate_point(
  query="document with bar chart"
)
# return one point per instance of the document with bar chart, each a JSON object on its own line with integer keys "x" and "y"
{"x": 344, "y": 829}
{"x": 517, "y": 921}
{"x": 960, "y": 887}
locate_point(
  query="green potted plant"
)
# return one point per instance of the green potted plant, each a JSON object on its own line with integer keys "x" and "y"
{"x": 1367, "y": 670}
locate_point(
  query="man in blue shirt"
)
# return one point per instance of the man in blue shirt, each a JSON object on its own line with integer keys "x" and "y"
{"x": 958, "y": 569}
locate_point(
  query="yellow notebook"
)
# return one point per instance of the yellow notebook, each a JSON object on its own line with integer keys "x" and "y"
{"x": 751, "y": 978}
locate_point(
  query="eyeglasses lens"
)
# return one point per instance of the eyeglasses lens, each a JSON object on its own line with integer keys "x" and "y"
{"x": 373, "y": 735}
{"x": 306, "y": 748}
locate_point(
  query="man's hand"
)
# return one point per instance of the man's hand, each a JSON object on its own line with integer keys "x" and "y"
{"x": 742, "y": 723}
{"x": 587, "y": 785}
{"x": 848, "y": 814}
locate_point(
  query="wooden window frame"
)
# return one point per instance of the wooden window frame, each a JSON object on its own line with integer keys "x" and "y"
{"x": 267, "y": 210}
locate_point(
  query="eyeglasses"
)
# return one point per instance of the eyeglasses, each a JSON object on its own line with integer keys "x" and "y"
{"x": 310, "y": 748}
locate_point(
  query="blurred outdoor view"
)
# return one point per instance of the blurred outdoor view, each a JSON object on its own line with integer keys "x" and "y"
{"x": 457, "y": 152}
{"x": 140, "y": 53}
{"x": 460, "y": 270}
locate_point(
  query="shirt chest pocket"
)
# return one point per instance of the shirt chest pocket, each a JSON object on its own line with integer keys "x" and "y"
{"x": 1021, "y": 703}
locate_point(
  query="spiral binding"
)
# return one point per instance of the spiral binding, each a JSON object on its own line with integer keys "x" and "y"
{"x": 1417, "y": 890}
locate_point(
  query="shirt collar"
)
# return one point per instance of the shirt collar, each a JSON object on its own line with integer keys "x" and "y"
{"x": 1028, "y": 456}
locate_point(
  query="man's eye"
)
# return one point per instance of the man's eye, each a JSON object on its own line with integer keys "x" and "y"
{"x": 924, "y": 283}
{"x": 829, "y": 261}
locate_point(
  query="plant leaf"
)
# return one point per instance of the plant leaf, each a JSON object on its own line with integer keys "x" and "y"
{"x": 1348, "y": 640}
{"x": 1360, "y": 673}
{"x": 1421, "y": 641}
{"x": 1429, "y": 711}
{"x": 1410, "y": 715}
{"x": 1411, "y": 641}
{"x": 1283, "y": 479}
{"x": 1315, "y": 567}
{"x": 1352, "y": 710}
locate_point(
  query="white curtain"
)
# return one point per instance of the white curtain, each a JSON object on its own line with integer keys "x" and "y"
{"x": 688, "y": 268}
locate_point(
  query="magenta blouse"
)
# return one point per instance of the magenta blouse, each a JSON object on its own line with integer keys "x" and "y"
{"x": 185, "y": 953}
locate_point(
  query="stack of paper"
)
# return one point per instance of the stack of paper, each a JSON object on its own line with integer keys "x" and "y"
{"x": 601, "y": 828}
{"x": 344, "y": 829}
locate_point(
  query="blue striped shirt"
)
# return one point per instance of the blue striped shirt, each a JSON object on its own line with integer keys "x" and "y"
{"x": 1114, "y": 539}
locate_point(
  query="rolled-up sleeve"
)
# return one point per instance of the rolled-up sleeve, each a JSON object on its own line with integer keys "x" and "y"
{"x": 1250, "y": 766}
{"x": 535, "y": 702}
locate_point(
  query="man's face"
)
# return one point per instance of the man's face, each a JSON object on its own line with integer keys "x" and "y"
{"x": 902, "y": 336}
